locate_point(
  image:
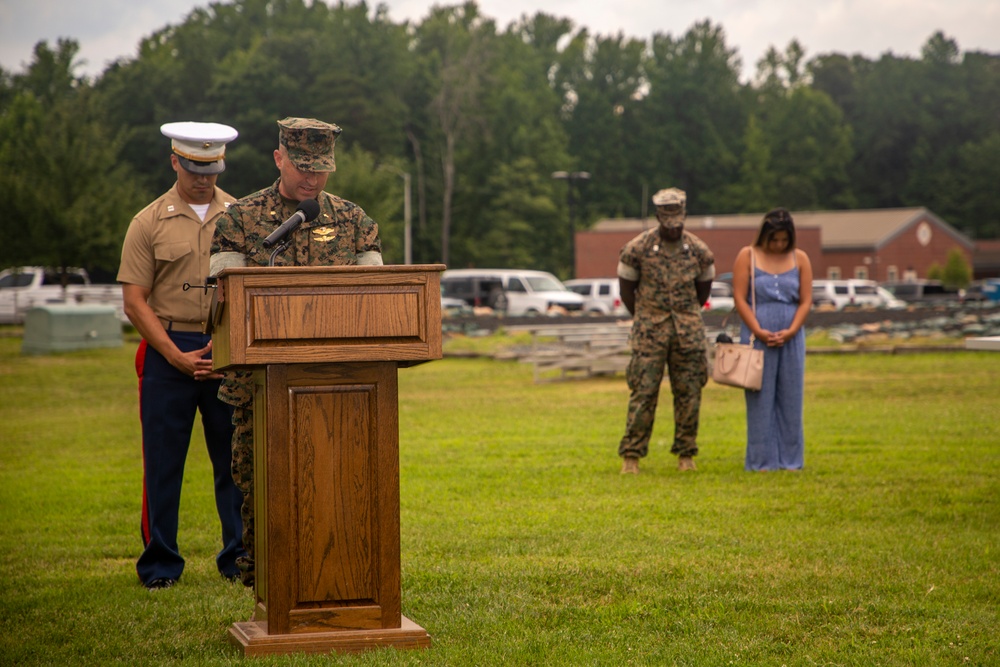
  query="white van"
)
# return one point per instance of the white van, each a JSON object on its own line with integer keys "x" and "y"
{"x": 514, "y": 291}
{"x": 841, "y": 293}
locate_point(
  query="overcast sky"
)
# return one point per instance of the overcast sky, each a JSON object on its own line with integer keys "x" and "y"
{"x": 110, "y": 29}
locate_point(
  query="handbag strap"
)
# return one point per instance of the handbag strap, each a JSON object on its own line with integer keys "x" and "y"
{"x": 753, "y": 295}
{"x": 753, "y": 288}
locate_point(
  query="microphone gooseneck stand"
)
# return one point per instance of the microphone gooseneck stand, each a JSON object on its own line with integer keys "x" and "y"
{"x": 281, "y": 247}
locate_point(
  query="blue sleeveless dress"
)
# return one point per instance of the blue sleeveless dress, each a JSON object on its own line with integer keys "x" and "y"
{"x": 775, "y": 438}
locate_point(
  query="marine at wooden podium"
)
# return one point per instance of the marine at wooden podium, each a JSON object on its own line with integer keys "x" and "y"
{"x": 341, "y": 234}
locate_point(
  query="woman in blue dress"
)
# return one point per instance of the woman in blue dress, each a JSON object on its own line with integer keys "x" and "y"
{"x": 782, "y": 290}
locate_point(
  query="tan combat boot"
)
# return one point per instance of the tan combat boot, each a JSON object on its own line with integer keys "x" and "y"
{"x": 630, "y": 465}
{"x": 686, "y": 463}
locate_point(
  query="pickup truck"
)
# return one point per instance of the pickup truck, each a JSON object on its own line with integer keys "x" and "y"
{"x": 923, "y": 292}
{"x": 25, "y": 287}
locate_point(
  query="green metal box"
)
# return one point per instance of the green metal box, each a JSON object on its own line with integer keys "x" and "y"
{"x": 64, "y": 328}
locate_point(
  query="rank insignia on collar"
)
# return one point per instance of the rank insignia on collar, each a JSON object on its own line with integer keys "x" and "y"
{"x": 324, "y": 234}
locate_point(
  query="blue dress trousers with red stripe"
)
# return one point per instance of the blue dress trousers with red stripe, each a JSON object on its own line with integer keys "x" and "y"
{"x": 168, "y": 401}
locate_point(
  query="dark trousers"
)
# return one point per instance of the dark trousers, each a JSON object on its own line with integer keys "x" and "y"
{"x": 168, "y": 401}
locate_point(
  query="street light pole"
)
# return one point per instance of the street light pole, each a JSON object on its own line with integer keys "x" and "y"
{"x": 407, "y": 213}
{"x": 571, "y": 177}
{"x": 407, "y": 227}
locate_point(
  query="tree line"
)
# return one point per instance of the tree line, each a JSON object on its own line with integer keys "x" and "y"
{"x": 481, "y": 117}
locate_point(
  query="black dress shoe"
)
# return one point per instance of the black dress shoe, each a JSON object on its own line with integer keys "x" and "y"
{"x": 159, "y": 583}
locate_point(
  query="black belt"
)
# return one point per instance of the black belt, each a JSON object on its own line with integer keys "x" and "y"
{"x": 184, "y": 327}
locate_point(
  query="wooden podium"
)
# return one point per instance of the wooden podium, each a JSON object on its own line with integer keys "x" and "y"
{"x": 324, "y": 345}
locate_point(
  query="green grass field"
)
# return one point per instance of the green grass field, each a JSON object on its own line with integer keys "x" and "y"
{"x": 522, "y": 544}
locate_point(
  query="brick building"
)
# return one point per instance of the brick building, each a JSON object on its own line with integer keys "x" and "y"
{"x": 883, "y": 245}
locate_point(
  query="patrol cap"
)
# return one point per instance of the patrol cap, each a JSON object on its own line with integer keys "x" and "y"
{"x": 670, "y": 197}
{"x": 199, "y": 147}
{"x": 309, "y": 143}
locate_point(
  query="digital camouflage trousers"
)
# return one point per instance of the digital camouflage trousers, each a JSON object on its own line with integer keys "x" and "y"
{"x": 243, "y": 476}
{"x": 688, "y": 373}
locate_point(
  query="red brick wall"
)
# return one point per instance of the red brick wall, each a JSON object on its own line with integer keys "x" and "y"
{"x": 597, "y": 253}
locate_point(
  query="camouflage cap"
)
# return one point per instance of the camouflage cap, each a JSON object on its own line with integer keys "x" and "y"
{"x": 309, "y": 143}
{"x": 671, "y": 197}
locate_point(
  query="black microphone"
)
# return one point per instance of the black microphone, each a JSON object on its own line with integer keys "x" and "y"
{"x": 307, "y": 211}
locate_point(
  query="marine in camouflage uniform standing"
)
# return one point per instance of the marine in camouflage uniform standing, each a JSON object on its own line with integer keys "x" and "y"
{"x": 341, "y": 234}
{"x": 665, "y": 276}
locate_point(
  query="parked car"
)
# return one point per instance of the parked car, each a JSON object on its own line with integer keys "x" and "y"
{"x": 453, "y": 307}
{"x": 513, "y": 291}
{"x": 922, "y": 291}
{"x": 842, "y": 293}
{"x": 981, "y": 292}
{"x": 25, "y": 287}
{"x": 721, "y": 296}
{"x": 888, "y": 300}
{"x": 600, "y": 295}
{"x": 972, "y": 294}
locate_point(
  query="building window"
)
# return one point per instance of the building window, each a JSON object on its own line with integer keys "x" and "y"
{"x": 892, "y": 273}
{"x": 861, "y": 272}
{"x": 833, "y": 272}
{"x": 910, "y": 275}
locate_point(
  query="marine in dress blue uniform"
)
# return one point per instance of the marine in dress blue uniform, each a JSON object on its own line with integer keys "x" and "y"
{"x": 167, "y": 245}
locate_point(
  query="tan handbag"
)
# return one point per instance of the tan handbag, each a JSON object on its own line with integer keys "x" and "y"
{"x": 738, "y": 365}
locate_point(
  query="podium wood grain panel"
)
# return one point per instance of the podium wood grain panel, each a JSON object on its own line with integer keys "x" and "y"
{"x": 337, "y": 314}
{"x": 335, "y": 514}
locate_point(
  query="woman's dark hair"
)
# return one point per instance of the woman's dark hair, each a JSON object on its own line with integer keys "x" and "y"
{"x": 776, "y": 220}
